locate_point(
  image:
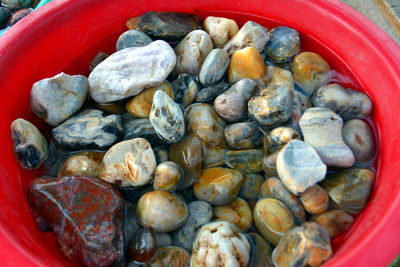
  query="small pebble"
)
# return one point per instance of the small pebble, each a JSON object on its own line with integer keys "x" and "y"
{"x": 170, "y": 256}
{"x": 315, "y": 199}
{"x": 246, "y": 161}
{"x": 17, "y": 4}
{"x": 208, "y": 94}
{"x": 82, "y": 164}
{"x": 214, "y": 157}
{"x": 262, "y": 251}
{"x": 185, "y": 89}
{"x": 214, "y": 67}
{"x": 133, "y": 38}
{"x": 98, "y": 58}
{"x": 280, "y": 136}
{"x": 335, "y": 221}
{"x": 243, "y": 135}
{"x": 283, "y": 44}
{"x": 268, "y": 163}
{"x": 143, "y": 245}
{"x": 237, "y": 212}
{"x": 251, "y": 186}
{"x": 221, "y": 30}
{"x": 167, "y": 177}
{"x": 134, "y": 128}
{"x": 29, "y": 145}
{"x": 161, "y": 211}
{"x": 280, "y": 76}
{"x": 358, "y": 135}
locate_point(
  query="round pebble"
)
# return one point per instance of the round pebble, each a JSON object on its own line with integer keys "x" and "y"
{"x": 358, "y": 135}
{"x": 143, "y": 245}
{"x": 237, "y": 212}
{"x": 132, "y": 38}
{"x": 167, "y": 177}
{"x": 82, "y": 164}
{"x": 243, "y": 135}
{"x": 221, "y": 30}
{"x": 315, "y": 199}
{"x": 335, "y": 221}
{"x": 283, "y": 44}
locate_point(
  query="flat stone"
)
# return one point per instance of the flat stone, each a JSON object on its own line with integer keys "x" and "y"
{"x": 299, "y": 166}
{"x": 133, "y": 38}
{"x": 221, "y": 30}
{"x": 214, "y": 67}
{"x": 129, "y": 71}
{"x": 55, "y": 99}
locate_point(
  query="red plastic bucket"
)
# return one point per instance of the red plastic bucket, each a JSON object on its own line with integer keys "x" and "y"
{"x": 65, "y": 35}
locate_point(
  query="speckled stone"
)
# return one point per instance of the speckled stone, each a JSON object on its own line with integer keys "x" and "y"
{"x": 137, "y": 67}
{"x": 30, "y": 146}
{"x": 55, "y": 99}
{"x": 185, "y": 89}
{"x": 17, "y": 4}
{"x": 170, "y": 256}
{"x": 89, "y": 129}
{"x": 251, "y": 186}
{"x": 221, "y": 30}
{"x": 214, "y": 67}
{"x": 200, "y": 212}
{"x": 246, "y": 161}
{"x": 243, "y": 135}
{"x": 209, "y": 93}
{"x": 237, "y": 212}
{"x": 220, "y": 244}
{"x": 129, "y": 163}
{"x": 299, "y": 166}
{"x": 358, "y": 135}
{"x": 132, "y": 38}
{"x": 134, "y": 128}
{"x": 283, "y": 44}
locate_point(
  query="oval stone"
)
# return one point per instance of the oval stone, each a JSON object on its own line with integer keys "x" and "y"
{"x": 185, "y": 89}
{"x": 280, "y": 136}
{"x": 243, "y": 135}
{"x": 132, "y": 38}
{"x": 221, "y": 30}
{"x": 209, "y": 93}
{"x": 283, "y": 44}
{"x": 315, "y": 199}
{"x": 335, "y": 221}
{"x": 251, "y": 186}
{"x": 167, "y": 177}
{"x": 358, "y": 135}
{"x": 214, "y": 67}
{"x": 237, "y": 212}
{"x": 82, "y": 164}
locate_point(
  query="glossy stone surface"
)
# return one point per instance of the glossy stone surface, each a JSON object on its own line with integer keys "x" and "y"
{"x": 168, "y": 26}
{"x": 243, "y": 135}
{"x": 139, "y": 106}
{"x": 343, "y": 101}
{"x": 299, "y": 166}
{"x": 200, "y": 212}
{"x": 280, "y": 76}
{"x": 306, "y": 245}
{"x": 310, "y": 71}
{"x": 322, "y": 129}
{"x": 167, "y": 177}
{"x": 98, "y": 58}
{"x": 251, "y": 34}
{"x": 218, "y": 186}
{"x": 185, "y": 89}
{"x": 129, "y": 163}
{"x": 18, "y": 15}
{"x": 55, "y": 99}
{"x": 358, "y": 135}
{"x": 251, "y": 186}
{"x": 134, "y": 128}
{"x": 272, "y": 219}
{"x": 188, "y": 154}
{"x": 82, "y": 164}
{"x": 247, "y": 161}
{"x": 237, "y": 212}
{"x": 315, "y": 199}
{"x": 143, "y": 246}
{"x": 246, "y": 63}
{"x": 300, "y": 104}
{"x": 89, "y": 129}
{"x": 84, "y": 213}
{"x": 5, "y": 13}
{"x": 209, "y": 93}
{"x": 214, "y": 67}
{"x": 280, "y": 136}
{"x": 132, "y": 38}
{"x": 170, "y": 256}
{"x": 29, "y": 145}
{"x": 221, "y": 30}
{"x": 349, "y": 189}
{"x": 167, "y": 118}
{"x": 334, "y": 221}
{"x": 232, "y": 104}
{"x": 268, "y": 163}
{"x": 283, "y": 44}
{"x": 192, "y": 51}
{"x": 137, "y": 67}
{"x": 161, "y": 211}
{"x": 220, "y": 244}
{"x": 262, "y": 251}
{"x": 17, "y": 4}
{"x": 213, "y": 157}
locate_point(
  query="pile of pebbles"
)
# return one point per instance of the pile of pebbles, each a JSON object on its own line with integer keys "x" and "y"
{"x": 199, "y": 144}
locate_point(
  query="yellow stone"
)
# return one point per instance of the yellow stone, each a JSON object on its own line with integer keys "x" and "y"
{"x": 237, "y": 212}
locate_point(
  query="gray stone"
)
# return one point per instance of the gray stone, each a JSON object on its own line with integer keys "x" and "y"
{"x": 299, "y": 166}
{"x": 251, "y": 34}
{"x": 55, "y": 99}
{"x": 283, "y": 44}
{"x": 322, "y": 129}
{"x": 164, "y": 240}
{"x": 185, "y": 89}
{"x": 209, "y": 93}
{"x": 131, "y": 223}
{"x": 251, "y": 186}
{"x": 200, "y": 212}
{"x": 299, "y": 105}
{"x": 89, "y": 129}
{"x": 192, "y": 51}
{"x": 243, "y": 135}
{"x": 280, "y": 136}
{"x": 167, "y": 118}
{"x": 129, "y": 71}
{"x": 214, "y": 67}
{"x": 134, "y": 128}
{"x": 358, "y": 135}
{"x": 30, "y": 146}
{"x": 133, "y": 38}
{"x": 5, "y": 13}
{"x": 17, "y": 4}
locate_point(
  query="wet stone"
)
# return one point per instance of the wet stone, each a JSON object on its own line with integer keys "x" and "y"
{"x": 161, "y": 154}
{"x": 203, "y": 121}
{"x": 82, "y": 164}
{"x": 163, "y": 240}
{"x": 221, "y": 30}
{"x": 349, "y": 189}
{"x": 188, "y": 154}
{"x": 220, "y": 244}
{"x": 335, "y": 221}
{"x": 101, "y": 222}
{"x": 89, "y": 129}
{"x": 283, "y": 44}
{"x": 251, "y": 34}
{"x": 131, "y": 223}
{"x": 167, "y": 118}
{"x": 29, "y": 145}
{"x": 168, "y": 176}
{"x": 232, "y": 104}
{"x": 18, "y": 15}
{"x": 98, "y": 58}
{"x": 247, "y": 161}
{"x": 114, "y": 107}
{"x": 322, "y": 129}
{"x": 133, "y": 38}
{"x": 358, "y": 135}
{"x": 214, "y": 157}
{"x": 129, "y": 164}
{"x": 243, "y": 135}
{"x": 246, "y": 63}
{"x": 299, "y": 105}
{"x": 143, "y": 245}
{"x": 218, "y": 186}
{"x": 299, "y": 167}
{"x": 17, "y": 4}
{"x": 315, "y": 199}
{"x": 280, "y": 136}
{"x": 134, "y": 128}
{"x": 200, "y": 212}
{"x": 273, "y": 106}
{"x": 55, "y": 99}
{"x": 268, "y": 163}
{"x": 280, "y": 76}
{"x": 262, "y": 251}
{"x": 251, "y": 186}
{"x": 310, "y": 71}
{"x": 161, "y": 211}
{"x": 138, "y": 67}
{"x": 214, "y": 67}
{"x": 272, "y": 219}
{"x": 140, "y": 105}
{"x": 191, "y": 52}
{"x": 306, "y": 245}
{"x": 168, "y": 26}
{"x": 185, "y": 89}
{"x": 170, "y": 256}
{"x": 237, "y": 212}
{"x": 208, "y": 94}
{"x": 343, "y": 101}
{"x": 5, "y": 13}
